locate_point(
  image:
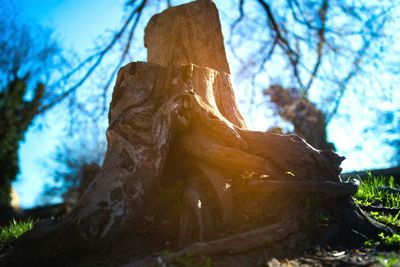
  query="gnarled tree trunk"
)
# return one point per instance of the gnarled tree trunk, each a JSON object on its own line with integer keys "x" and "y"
{"x": 182, "y": 167}
{"x": 308, "y": 121}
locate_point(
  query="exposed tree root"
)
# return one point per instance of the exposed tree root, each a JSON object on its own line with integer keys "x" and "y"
{"x": 234, "y": 244}
{"x": 393, "y": 211}
{"x": 332, "y": 189}
{"x": 171, "y": 105}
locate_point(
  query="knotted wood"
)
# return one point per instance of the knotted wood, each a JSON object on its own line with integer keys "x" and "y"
{"x": 174, "y": 120}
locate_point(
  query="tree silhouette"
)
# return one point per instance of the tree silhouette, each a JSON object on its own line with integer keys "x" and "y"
{"x": 28, "y": 56}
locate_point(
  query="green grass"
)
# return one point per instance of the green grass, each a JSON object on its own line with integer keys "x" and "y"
{"x": 369, "y": 243}
{"x": 390, "y": 260}
{"x": 9, "y": 234}
{"x": 392, "y": 200}
{"x": 390, "y": 240}
{"x": 370, "y": 192}
{"x": 189, "y": 261}
{"x": 387, "y": 218}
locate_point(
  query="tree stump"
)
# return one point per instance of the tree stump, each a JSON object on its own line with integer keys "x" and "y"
{"x": 181, "y": 167}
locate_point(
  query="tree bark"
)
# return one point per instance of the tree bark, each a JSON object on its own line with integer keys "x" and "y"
{"x": 172, "y": 121}
{"x": 308, "y": 121}
{"x": 186, "y": 34}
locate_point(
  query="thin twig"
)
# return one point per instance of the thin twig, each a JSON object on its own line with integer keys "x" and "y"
{"x": 99, "y": 55}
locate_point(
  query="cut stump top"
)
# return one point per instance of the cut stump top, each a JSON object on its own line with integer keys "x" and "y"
{"x": 185, "y": 34}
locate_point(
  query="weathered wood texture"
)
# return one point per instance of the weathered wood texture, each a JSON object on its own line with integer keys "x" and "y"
{"x": 150, "y": 105}
{"x": 239, "y": 243}
{"x": 308, "y": 121}
{"x": 325, "y": 187}
{"x": 186, "y": 34}
{"x": 181, "y": 120}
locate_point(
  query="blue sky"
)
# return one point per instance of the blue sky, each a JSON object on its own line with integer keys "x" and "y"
{"x": 78, "y": 24}
{"x": 76, "y": 28}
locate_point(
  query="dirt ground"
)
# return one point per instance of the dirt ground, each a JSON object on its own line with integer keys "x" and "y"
{"x": 314, "y": 257}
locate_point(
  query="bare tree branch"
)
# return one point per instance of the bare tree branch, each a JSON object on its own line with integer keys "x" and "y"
{"x": 292, "y": 55}
{"x": 344, "y": 83}
{"x": 320, "y": 44}
{"x": 98, "y": 57}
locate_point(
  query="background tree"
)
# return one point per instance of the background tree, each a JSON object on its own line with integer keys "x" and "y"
{"x": 28, "y": 57}
{"x": 320, "y": 50}
{"x": 76, "y": 161}
{"x": 308, "y": 121}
